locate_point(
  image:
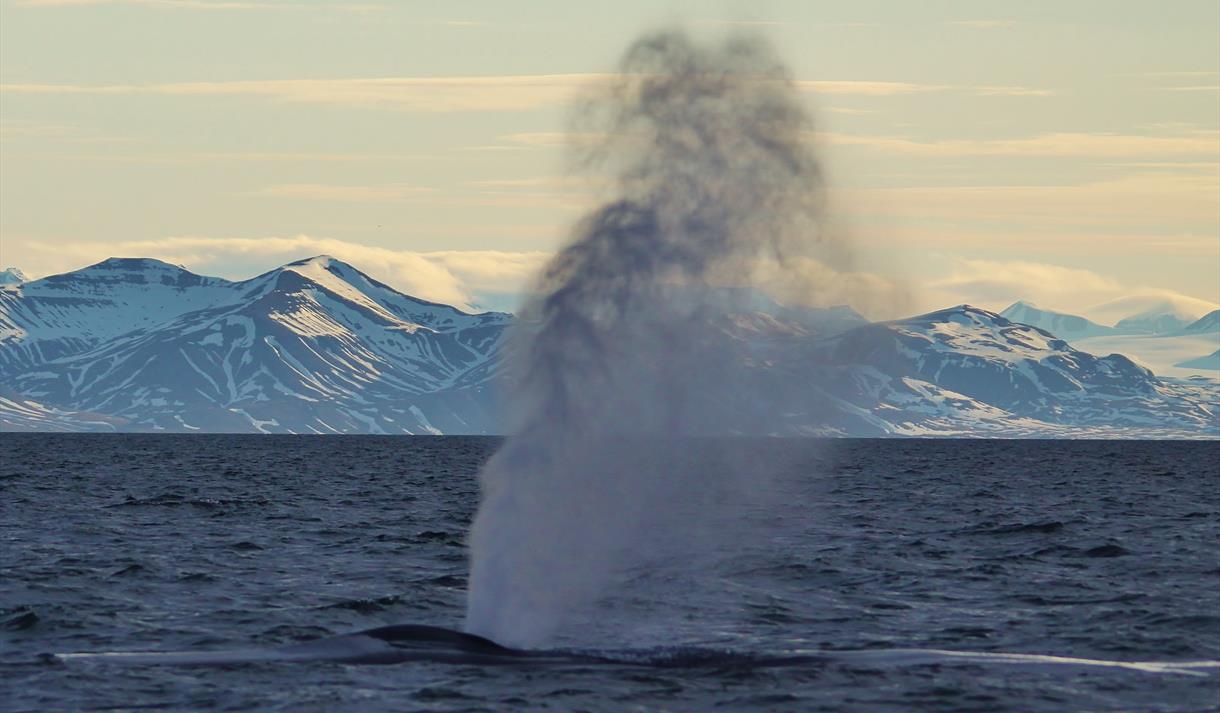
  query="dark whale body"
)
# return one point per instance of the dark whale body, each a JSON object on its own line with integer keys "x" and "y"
{"x": 383, "y": 645}
{"x": 433, "y": 644}
{"x": 416, "y": 642}
{"x": 413, "y": 642}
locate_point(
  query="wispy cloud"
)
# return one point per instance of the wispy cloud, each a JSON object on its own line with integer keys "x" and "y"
{"x": 1192, "y": 88}
{"x": 1196, "y": 77}
{"x": 743, "y": 22}
{"x": 1142, "y": 216}
{"x": 1182, "y": 73}
{"x": 847, "y": 111}
{"x": 457, "y": 277}
{"x": 190, "y": 158}
{"x": 1081, "y": 144}
{"x": 192, "y": 4}
{"x": 474, "y": 93}
{"x": 60, "y": 133}
{"x": 1212, "y": 167}
{"x": 562, "y": 194}
{"x": 427, "y": 94}
{"x": 982, "y": 24}
{"x": 552, "y": 138}
{"x": 390, "y": 193}
{"x": 205, "y": 4}
{"x": 996, "y": 284}
{"x": 1041, "y": 236}
{"x": 878, "y": 89}
{"x": 571, "y": 192}
{"x": 738, "y": 23}
{"x": 24, "y": 129}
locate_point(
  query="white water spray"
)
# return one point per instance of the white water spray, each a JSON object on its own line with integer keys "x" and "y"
{"x": 628, "y": 353}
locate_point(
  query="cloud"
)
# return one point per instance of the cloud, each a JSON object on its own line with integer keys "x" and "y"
{"x": 1139, "y": 204}
{"x": 1180, "y": 73}
{"x": 1184, "y": 142}
{"x": 566, "y": 194}
{"x": 204, "y": 5}
{"x": 875, "y": 88}
{"x": 423, "y": 94}
{"x": 550, "y": 184}
{"x": 1192, "y": 88}
{"x": 448, "y": 94}
{"x": 995, "y": 284}
{"x": 966, "y": 236}
{"x": 246, "y": 156}
{"x": 806, "y": 281}
{"x": 846, "y": 111}
{"x": 1127, "y": 305}
{"x": 24, "y": 129}
{"x": 192, "y": 4}
{"x": 458, "y": 277}
{"x": 1077, "y": 144}
{"x": 390, "y": 193}
{"x": 462, "y": 278}
{"x": 739, "y": 23}
{"x": 59, "y": 133}
{"x": 982, "y": 24}
{"x": 538, "y": 138}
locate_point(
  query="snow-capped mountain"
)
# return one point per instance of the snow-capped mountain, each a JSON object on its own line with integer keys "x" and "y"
{"x": 965, "y": 369}
{"x": 1209, "y": 322}
{"x": 1210, "y": 362}
{"x": 1159, "y": 335}
{"x": 314, "y": 346}
{"x": 68, "y": 314}
{"x": 1152, "y": 313}
{"x": 1067, "y": 326}
{"x": 12, "y": 276}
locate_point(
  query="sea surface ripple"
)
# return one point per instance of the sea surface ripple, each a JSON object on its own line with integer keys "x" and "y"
{"x": 1100, "y": 550}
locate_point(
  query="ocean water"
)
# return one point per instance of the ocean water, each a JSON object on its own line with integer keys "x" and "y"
{"x": 863, "y": 555}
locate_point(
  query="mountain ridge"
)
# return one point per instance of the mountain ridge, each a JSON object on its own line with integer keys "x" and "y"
{"x": 1063, "y": 324}
{"x": 315, "y": 342}
{"x": 317, "y": 346}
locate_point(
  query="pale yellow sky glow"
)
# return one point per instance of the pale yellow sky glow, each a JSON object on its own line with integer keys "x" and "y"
{"x": 1067, "y": 153}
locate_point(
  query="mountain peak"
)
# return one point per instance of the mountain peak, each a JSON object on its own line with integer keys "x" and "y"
{"x": 321, "y": 260}
{"x": 328, "y": 271}
{"x": 1154, "y": 312}
{"x": 134, "y": 264}
{"x": 1209, "y": 322}
{"x": 12, "y": 276}
{"x": 1061, "y": 324}
{"x": 962, "y": 309}
{"x": 1020, "y": 304}
{"x": 319, "y": 265}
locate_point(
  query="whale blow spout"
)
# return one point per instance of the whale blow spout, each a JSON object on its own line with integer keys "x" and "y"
{"x": 629, "y": 343}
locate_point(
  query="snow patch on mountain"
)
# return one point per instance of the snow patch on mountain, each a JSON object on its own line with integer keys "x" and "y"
{"x": 1209, "y": 322}
{"x": 1068, "y": 326}
{"x": 1211, "y": 362}
{"x": 1009, "y": 376}
{"x": 316, "y": 346}
{"x": 12, "y": 276}
{"x": 1152, "y": 314}
{"x": 1174, "y": 355}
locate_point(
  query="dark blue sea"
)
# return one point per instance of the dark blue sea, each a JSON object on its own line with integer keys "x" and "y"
{"x": 892, "y": 575}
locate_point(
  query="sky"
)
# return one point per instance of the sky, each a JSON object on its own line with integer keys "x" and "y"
{"x": 1066, "y": 153}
